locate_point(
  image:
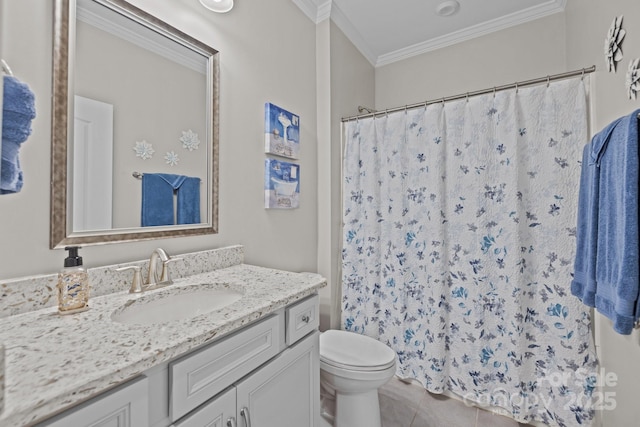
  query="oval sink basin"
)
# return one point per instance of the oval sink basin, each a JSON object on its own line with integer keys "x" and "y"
{"x": 177, "y": 304}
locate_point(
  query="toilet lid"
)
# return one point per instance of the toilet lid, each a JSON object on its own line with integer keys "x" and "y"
{"x": 354, "y": 351}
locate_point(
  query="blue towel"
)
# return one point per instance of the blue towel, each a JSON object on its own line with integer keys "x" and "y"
{"x": 606, "y": 266}
{"x": 18, "y": 110}
{"x": 157, "y": 199}
{"x": 188, "y": 205}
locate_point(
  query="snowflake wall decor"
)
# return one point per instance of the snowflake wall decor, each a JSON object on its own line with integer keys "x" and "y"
{"x": 613, "y": 43}
{"x": 143, "y": 149}
{"x": 633, "y": 78}
{"x": 190, "y": 140}
{"x": 172, "y": 158}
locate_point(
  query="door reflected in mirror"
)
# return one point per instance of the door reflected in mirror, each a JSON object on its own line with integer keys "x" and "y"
{"x": 143, "y": 97}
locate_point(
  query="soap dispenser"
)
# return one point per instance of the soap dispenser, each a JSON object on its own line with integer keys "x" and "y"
{"x": 73, "y": 284}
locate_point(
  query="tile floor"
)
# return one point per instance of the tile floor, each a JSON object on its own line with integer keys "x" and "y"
{"x": 410, "y": 405}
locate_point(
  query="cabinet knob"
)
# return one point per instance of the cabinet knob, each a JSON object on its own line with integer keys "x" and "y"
{"x": 244, "y": 412}
{"x": 305, "y": 318}
{"x": 231, "y": 422}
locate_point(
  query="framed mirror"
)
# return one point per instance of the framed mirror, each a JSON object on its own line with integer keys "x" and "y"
{"x": 134, "y": 100}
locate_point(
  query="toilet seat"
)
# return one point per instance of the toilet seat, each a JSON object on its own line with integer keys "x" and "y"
{"x": 354, "y": 352}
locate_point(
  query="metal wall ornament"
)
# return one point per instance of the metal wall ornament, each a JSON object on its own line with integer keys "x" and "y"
{"x": 172, "y": 158}
{"x": 633, "y": 78}
{"x": 613, "y": 44}
{"x": 190, "y": 140}
{"x": 144, "y": 150}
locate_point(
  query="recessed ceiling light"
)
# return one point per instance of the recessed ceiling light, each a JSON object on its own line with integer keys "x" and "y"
{"x": 448, "y": 8}
{"x": 220, "y": 6}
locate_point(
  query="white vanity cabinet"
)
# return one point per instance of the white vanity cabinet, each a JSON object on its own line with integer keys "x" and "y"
{"x": 264, "y": 374}
{"x": 282, "y": 392}
{"x": 124, "y": 406}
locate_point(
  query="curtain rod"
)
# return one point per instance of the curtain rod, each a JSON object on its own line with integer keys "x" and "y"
{"x": 495, "y": 89}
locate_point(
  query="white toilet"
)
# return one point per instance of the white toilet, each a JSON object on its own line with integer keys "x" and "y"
{"x": 352, "y": 368}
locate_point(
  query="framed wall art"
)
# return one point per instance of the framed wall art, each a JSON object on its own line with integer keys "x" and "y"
{"x": 281, "y": 132}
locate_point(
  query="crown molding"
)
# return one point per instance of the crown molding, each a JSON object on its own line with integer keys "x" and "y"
{"x": 319, "y": 10}
{"x": 341, "y": 20}
{"x": 126, "y": 29}
{"x": 469, "y": 33}
{"x": 316, "y": 10}
{"x": 324, "y": 10}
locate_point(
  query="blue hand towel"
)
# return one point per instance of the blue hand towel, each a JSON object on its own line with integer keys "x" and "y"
{"x": 157, "y": 199}
{"x": 18, "y": 110}
{"x": 606, "y": 267}
{"x": 188, "y": 206}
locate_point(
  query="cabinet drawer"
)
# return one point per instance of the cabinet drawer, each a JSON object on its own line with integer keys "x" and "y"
{"x": 302, "y": 318}
{"x": 126, "y": 405}
{"x": 201, "y": 375}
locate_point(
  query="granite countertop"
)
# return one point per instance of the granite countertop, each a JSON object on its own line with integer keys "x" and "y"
{"x": 53, "y": 362}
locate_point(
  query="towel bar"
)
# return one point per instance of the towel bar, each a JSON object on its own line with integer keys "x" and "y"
{"x": 5, "y": 68}
{"x": 139, "y": 175}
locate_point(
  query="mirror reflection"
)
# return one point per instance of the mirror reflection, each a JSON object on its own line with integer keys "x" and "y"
{"x": 140, "y": 150}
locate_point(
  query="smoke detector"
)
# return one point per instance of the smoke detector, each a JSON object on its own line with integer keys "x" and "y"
{"x": 448, "y": 8}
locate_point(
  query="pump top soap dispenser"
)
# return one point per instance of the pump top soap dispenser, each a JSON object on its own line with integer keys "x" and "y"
{"x": 73, "y": 284}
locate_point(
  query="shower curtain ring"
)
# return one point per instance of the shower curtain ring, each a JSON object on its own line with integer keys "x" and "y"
{"x": 548, "y": 81}
{"x": 494, "y": 91}
{"x": 516, "y": 87}
{"x": 582, "y": 76}
{"x": 467, "y": 96}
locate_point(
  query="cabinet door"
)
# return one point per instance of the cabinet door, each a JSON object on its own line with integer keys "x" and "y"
{"x": 219, "y": 412}
{"x": 125, "y": 406}
{"x": 285, "y": 392}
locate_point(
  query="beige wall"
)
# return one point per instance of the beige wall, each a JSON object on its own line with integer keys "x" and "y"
{"x": 558, "y": 43}
{"x": 267, "y": 54}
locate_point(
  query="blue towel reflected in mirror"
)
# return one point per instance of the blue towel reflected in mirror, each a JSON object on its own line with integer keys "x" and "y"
{"x": 158, "y": 199}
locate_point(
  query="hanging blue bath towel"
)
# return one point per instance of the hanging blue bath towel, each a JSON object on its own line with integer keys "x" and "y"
{"x": 18, "y": 110}
{"x": 157, "y": 199}
{"x": 606, "y": 266}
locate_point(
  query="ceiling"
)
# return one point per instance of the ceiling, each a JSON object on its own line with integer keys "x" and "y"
{"x": 387, "y": 31}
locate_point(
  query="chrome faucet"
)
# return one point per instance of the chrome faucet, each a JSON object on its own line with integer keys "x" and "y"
{"x": 153, "y": 280}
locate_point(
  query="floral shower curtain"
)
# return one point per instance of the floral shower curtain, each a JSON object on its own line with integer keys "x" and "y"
{"x": 458, "y": 244}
